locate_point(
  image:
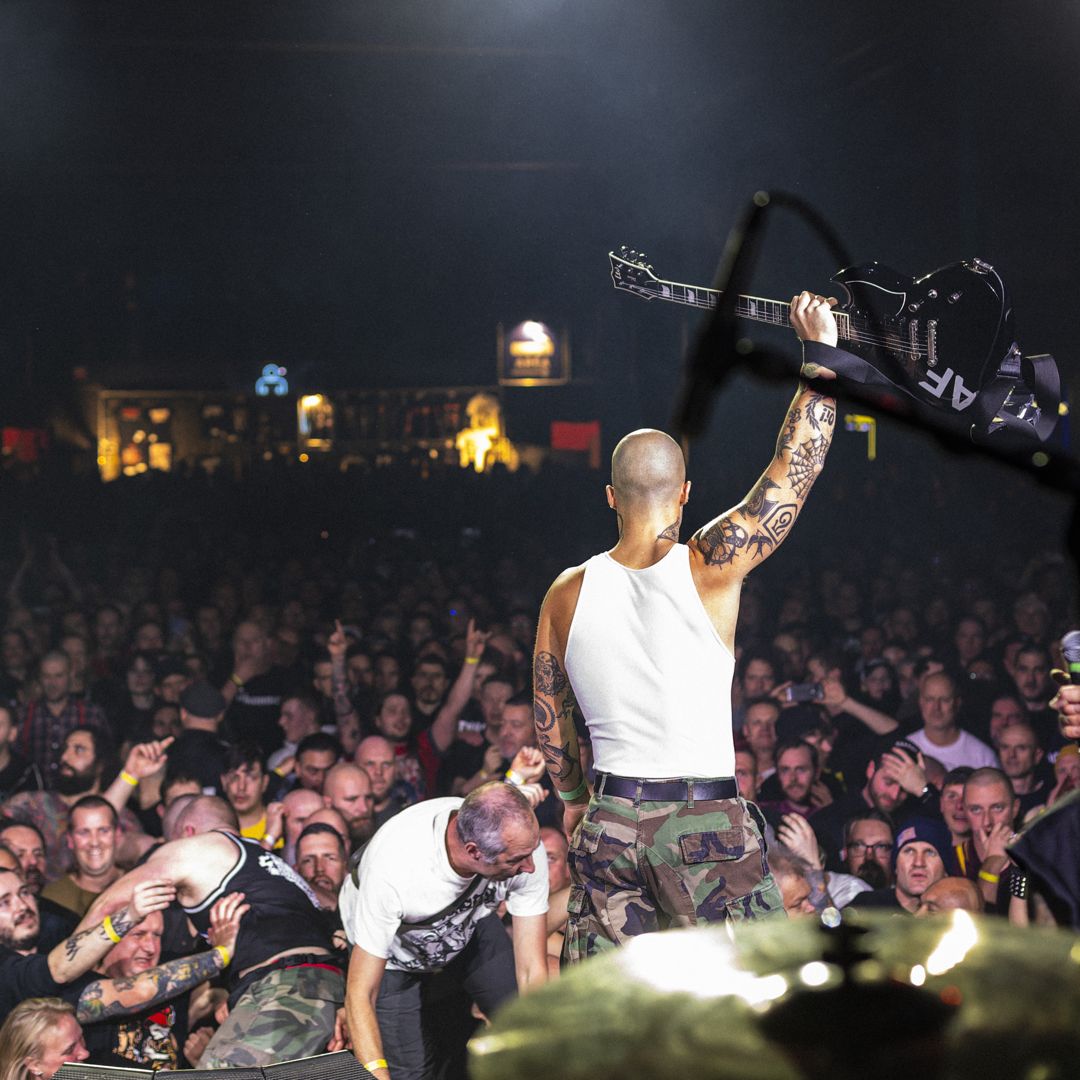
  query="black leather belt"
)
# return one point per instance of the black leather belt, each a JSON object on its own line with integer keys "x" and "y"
{"x": 282, "y": 963}
{"x": 688, "y": 790}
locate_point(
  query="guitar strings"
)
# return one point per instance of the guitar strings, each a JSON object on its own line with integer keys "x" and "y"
{"x": 859, "y": 330}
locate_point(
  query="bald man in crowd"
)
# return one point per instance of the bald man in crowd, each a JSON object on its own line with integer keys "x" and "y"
{"x": 348, "y": 791}
{"x": 376, "y": 756}
{"x": 950, "y": 894}
{"x": 650, "y": 666}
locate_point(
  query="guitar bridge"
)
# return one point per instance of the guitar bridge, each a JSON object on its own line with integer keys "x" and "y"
{"x": 931, "y": 342}
{"x": 913, "y": 340}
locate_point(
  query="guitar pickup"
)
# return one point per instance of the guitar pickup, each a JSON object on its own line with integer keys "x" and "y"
{"x": 931, "y": 342}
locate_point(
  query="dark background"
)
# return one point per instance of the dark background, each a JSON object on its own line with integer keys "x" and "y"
{"x": 361, "y": 191}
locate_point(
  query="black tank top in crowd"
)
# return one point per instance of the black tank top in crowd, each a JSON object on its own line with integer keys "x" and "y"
{"x": 284, "y": 912}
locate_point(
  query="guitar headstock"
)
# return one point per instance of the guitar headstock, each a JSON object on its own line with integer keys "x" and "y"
{"x": 631, "y": 272}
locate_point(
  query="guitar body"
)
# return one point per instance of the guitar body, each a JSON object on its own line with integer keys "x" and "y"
{"x": 941, "y": 339}
{"x": 943, "y": 335}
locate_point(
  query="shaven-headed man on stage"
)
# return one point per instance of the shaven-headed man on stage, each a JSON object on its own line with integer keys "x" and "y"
{"x": 641, "y": 639}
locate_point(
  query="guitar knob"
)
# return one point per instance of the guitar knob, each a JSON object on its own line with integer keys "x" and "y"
{"x": 914, "y": 305}
{"x": 931, "y": 294}
{"x": 954, "y": 297}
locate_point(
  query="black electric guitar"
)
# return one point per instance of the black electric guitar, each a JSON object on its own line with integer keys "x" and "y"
{"x": 943, "y": 336}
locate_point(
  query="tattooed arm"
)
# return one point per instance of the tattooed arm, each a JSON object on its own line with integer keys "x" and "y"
{"x": 553, "y": 696}
{"x": 85, "y": 948}
{"x": 744, "y": 536}
{"x": 106, "y": 998}
{"x": 109, "y": 997}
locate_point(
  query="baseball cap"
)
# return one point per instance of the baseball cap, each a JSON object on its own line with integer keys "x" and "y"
{"x": 202, "y": 700}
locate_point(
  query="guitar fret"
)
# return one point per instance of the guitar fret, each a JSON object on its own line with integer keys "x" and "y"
{"x": 762, "y": 310}
{"x": 757, "y": 308}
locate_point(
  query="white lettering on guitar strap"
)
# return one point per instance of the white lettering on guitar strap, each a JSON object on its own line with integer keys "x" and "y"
{"x": 962, "y": 397}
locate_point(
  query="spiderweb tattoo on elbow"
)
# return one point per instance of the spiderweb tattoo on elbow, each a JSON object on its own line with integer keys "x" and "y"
{"x": 807, "y": 460}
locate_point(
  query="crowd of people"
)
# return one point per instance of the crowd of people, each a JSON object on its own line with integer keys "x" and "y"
{"x": 198, "y": 743}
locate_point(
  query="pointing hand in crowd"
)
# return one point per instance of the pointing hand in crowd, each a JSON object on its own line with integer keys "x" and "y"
{"x": 146, "y": 759}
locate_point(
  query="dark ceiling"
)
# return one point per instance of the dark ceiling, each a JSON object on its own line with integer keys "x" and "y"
{"x": 363, "y": 190}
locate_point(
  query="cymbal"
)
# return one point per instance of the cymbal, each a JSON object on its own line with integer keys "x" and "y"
{"x": 881, "y": 996}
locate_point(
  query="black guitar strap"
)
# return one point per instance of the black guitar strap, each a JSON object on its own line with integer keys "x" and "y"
{"x": 1033, "y": 377}
{"x": 1036, "y": 376}
{"x": 849, "y": 367}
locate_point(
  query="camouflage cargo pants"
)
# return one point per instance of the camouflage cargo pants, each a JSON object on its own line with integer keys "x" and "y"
{"x": 288, "y": 1014}
{"x": 638, "y": 867}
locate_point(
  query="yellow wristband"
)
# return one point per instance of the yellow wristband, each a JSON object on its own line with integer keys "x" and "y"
{"x": 512, "y": 776}
{"x": 985, "y": 875}
{"x": 128, "y": 778}
{"x": 110, "y": 930}
{"x": 378, "y": 1063}
{"x": 225, "y": 957}
{"x": 237, "y": 681}
{"x": 468, "y": 660}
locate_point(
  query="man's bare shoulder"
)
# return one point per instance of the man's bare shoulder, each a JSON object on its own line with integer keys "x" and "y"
{"x": 564, "y": 590}
{"x": 569, "y": 580}
{"x": 559, "y": 606}
{"x": 191, "y": 854}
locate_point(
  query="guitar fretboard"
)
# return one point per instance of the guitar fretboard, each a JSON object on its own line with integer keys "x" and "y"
{"x": 756, "y": 308}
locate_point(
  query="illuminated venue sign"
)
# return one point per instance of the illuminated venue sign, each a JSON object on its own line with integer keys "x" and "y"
{"x": 315, "y": 421}
{"x": 272, "y": 382}
{"x": 531, "y": 355}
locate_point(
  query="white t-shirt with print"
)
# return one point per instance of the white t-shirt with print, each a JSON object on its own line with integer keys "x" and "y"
{"x": 406, "y": 883}
{"x": 967, "y": 750}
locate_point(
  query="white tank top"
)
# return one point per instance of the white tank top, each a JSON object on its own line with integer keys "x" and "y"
{"x": 650, "y": 673}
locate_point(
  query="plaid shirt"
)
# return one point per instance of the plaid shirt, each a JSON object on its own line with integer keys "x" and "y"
{"x": 42, "y": 733}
